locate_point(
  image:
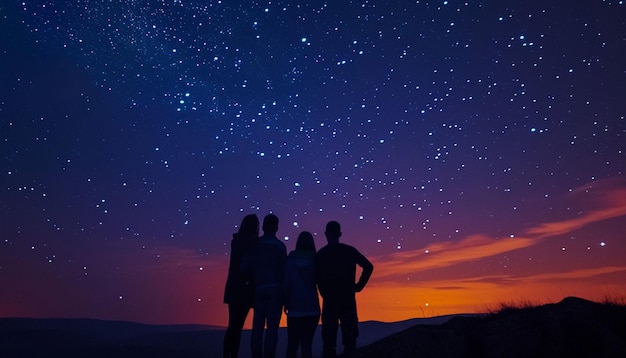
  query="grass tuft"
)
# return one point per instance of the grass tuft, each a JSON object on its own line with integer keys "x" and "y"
{"x": 508, "y": 307}
{"x": 614, "y": 301}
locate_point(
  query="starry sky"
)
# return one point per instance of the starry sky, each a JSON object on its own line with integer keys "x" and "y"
{"x": 473, "y": 150}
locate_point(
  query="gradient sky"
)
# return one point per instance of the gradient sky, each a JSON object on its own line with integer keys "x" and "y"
{"x": 474, "y": 151}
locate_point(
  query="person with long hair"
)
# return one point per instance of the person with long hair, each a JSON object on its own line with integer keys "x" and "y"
{"x": 301, "y": 301}
{"x": 239, "y": 291}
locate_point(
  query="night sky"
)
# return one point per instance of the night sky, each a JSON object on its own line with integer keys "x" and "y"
{"x": 474, "y": 151}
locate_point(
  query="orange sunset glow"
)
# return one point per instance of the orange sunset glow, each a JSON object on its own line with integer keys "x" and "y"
{"x": 542, "y": 263}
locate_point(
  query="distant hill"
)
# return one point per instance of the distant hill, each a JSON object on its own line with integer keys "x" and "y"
{"x": 571, "y": 328}
{"x": 86, "y": 338}
{"x": 29, "y": 337}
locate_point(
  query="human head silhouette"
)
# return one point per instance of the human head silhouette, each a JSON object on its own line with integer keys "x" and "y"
{"x": 305, "y": 242}
{"x": 270, "y": 224}
{"x": 333, "y": 232}
{"x": 249, "y": 227}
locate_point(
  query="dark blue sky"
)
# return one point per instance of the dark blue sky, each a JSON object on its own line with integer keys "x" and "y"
{"x": 136, "y": 135}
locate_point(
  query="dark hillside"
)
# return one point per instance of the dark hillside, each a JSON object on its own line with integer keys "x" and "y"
{"x": 570, "y": 328}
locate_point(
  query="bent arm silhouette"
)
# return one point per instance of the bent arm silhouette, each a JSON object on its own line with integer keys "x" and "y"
{"x": 368, "y": 268}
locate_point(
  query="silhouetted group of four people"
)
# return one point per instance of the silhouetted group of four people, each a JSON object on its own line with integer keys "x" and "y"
{"x": 261, "y": 276}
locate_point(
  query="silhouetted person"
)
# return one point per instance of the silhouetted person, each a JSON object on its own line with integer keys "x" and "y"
{"x": 335, "y": 266}
{"x": 301, "y": 301}
{"x": 266, "y": 261}
{"x": 239, "y": 291}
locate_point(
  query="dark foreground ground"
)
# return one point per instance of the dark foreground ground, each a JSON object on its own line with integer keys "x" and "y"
{"x": 85, "y": 338}
{"x": 570, "y": 328}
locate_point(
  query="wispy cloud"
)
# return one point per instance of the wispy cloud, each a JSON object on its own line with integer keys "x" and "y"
{"x": 447, "y": 253}
{"x": 577, "y": 274}
{"x": 606, "y": 200}
{"x": 615, "y": 206}
{"x": 520, "y": 278}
